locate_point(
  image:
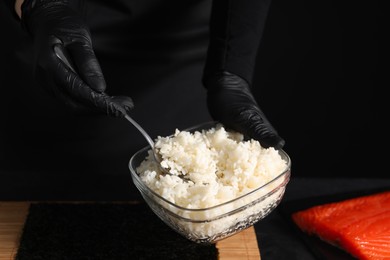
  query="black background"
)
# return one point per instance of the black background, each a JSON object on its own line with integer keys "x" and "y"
{"x": 317, "y": 74}
{"x": 319, "y": 60}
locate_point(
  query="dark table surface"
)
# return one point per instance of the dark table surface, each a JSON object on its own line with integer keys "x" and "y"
{"x": 278, "y": 237}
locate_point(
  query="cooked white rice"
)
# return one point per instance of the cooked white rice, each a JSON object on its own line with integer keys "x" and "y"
{"x": 221, "y": 166}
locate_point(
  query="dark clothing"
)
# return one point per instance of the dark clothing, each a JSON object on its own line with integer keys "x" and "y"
{"x": 236, "y": 28}
{"x": 153, "y": 51}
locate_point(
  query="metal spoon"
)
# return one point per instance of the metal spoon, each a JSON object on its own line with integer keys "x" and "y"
{"x": 156, "y": 155}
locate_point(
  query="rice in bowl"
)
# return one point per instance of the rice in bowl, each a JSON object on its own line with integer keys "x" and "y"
{"x": 225, "y": 175}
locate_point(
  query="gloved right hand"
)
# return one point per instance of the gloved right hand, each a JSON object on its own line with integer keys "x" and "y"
{"x": 55, "y": 24}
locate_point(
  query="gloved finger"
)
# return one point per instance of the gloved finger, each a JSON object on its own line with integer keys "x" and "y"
{"x": 123, "y": 101}
{"x": 255, "y": 125}
{"x": 87, "y": 65}
{"x": 79, "y": 91}
{"x": 51, "y": 85}
{"x": 48, "y": 74}
{"x": 115, "y": 106}
{"x": 231, "y": 102}
{"x": 118, "y": 106}
{"x": 245, "y": 118}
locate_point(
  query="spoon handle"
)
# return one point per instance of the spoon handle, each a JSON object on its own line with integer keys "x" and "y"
{"x": 143, "y": 132}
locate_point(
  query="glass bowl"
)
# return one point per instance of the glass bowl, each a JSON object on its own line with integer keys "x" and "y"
{"x": 209, "y": 225}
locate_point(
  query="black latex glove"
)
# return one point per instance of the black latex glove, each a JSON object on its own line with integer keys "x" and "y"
{"x": 231, "y": 102}
{"x": 56, "y": 23}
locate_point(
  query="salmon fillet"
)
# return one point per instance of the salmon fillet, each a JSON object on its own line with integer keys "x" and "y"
{"x": 359, "y": 226}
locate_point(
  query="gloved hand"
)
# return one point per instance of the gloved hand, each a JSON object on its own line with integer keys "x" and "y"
{"x": 55, "y": 23}
{"x": 231, "y": 102}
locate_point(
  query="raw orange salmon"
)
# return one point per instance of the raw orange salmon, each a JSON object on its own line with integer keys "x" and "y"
{"x": 360, "y": 226}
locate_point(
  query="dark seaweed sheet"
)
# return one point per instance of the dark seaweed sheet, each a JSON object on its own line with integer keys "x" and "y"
{"x": 55, "y": 231}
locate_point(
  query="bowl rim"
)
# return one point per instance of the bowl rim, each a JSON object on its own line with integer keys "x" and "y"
{"x": 284, "y": 172}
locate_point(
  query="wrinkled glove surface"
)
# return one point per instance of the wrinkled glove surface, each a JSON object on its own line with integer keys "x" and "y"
{"x": 231, "y": 102}
{"x": 56, "y": 23}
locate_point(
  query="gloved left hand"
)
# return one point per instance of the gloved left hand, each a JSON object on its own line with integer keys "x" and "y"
{"x": 56, "y": 26}
{"x": 231, "y": 102}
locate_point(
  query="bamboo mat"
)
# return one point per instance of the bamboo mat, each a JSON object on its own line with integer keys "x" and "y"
{"x": 12, "y": 218}
{"x": 242, "y": 246}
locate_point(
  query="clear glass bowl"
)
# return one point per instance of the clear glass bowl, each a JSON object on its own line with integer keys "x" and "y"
{"x": 212, "y": 224}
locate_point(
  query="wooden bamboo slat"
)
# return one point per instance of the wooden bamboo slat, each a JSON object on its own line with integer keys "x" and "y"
{"x": 12, "y": 218}
{"x": 241, "y": 246}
